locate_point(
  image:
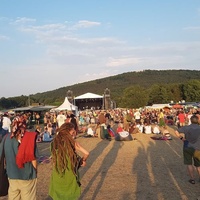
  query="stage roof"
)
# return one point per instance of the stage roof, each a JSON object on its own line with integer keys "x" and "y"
{"x": 89, "y": 96}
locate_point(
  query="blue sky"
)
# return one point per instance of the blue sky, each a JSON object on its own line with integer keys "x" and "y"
{"x": 48, "y": 44}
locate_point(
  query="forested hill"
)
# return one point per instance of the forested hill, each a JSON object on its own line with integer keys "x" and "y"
{"x": 174, "y": 83}
{"x": 118, "y": 83}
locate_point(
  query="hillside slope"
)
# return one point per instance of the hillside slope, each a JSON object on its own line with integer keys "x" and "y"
{"x": 118, "y": 83}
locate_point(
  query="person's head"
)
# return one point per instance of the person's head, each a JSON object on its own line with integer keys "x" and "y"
{"x": 194, "y": 119}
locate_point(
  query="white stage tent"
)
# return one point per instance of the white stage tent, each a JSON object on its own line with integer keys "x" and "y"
{"x": 66, "y": 105}
{"x": 89, "y": 96}
{"x": 89, "y": 101}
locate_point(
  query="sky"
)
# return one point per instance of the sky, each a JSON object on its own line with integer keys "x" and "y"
{"x": 49, "y": 44}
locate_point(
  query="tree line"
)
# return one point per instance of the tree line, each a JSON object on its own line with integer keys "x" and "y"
{"x": 133, "y": 96}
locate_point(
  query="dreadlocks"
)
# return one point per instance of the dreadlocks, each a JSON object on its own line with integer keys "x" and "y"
{"x": 63, "y": 148}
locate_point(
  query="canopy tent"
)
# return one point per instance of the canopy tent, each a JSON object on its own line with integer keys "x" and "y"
{"x": 33, "y": 108}
{"x": 177, "y": 106}
{"x": 66, "y": 105}
{"x": 197, "y": 104}
{"x": 159, "y": 106}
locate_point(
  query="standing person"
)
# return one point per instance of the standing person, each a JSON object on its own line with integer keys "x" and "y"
{"x": 182, "y": 118}
{"x": 161, "y": 118}
{"x": 75, "y": 122}
{"x": 191, "y": 144}
{"x": 20, "y": 158}
{"x": 6, "y": 124}
{"x": 65, "y": 183}
{"x": 1, "y": 123}
{"x": 137, "y": 116}
{"x": 37, "y": 117}
{"x": 61, "y": 118}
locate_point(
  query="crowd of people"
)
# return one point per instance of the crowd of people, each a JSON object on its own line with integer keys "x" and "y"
{"x": 20, "y": 133}
{"x": 19, "y": 150}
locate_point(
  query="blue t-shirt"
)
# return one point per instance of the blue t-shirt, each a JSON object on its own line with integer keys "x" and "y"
{"x": 11, "y": 149}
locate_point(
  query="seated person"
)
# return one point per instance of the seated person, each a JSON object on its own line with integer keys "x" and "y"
{"x": 91, "y": 129}
{"x": 133, "y": 129}
{"x": 90, "y": 132}
{"x": 122, "y": 135}
{"x": 120, "y": 128}
{"x": 166, "y": 133}
{"x": 156, "y": 129}
{"x": 46, "y": 137}
{"x": 165, "y": 130}
{"x": 38, "y": 131}
{"x": 140, "y": 127}
{"x": 147, "y": 129}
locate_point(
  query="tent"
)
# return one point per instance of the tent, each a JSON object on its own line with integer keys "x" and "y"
{"x": 33, "y": 108}
{"x": 159, "y": 106}
{"x": 66, "y": 105}
{"x": 89, "y": 101}
{"x": 89, "y": 96}
{"x": 177, "y": 106}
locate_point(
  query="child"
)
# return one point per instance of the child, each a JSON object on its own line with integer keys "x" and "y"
{"x": 166, "y": 133}
{"x": 46, "y": 136}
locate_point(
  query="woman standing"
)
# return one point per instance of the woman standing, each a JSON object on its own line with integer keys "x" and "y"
{"x": 161, "y": 118}
{"x": 64, "y": 183}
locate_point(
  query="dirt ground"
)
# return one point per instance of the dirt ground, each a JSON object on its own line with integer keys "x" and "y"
{"x": 133, "y": 170}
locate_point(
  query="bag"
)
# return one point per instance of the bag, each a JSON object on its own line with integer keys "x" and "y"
{"x": 4, "y": 184}
{"x": 197, "y": 154}
{"x": 123, "y": 136}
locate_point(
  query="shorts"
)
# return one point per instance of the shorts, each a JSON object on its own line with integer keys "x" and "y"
{"x": 182, "y": 123}
{"x": 189, "y": 159}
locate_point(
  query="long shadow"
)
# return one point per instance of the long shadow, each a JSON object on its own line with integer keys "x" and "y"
{"x": 162, "y": 176}
{"x": 102, "y": 171}
{"x": 94, "y": 154}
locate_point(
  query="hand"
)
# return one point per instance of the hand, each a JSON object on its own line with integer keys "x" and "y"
{"x": 84, "y": 163}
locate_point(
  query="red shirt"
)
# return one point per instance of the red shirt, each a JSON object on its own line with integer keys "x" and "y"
{"x": 181, "y": 117}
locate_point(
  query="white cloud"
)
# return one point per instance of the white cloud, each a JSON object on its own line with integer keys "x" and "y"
{"x": 124, "y": 61}
{"x": 3, "y": 37}
{"x": 67, "y": 57}
{"x": 22, "y": 20}
{"x": 85, "y": 24}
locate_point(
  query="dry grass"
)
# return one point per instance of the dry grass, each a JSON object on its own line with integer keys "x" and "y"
{"x": 134, "y": 170}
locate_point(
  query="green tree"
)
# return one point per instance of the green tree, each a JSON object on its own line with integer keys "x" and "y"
{"x": 158, "y": 94}
{"x": 174, "y": 92}
{"x": 5, "y": 103}
{"x": 191, "y": 90}
{"x": 134, "y": 97}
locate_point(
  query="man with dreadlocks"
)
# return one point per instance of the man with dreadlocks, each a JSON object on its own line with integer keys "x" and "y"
{"x": 20, "y": 158}
{"x": 64, "y": 183}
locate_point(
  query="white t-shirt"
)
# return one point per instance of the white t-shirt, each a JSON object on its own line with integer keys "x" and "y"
{"x": 156, "y": 130}
{"x": 61, "y": 119}
{"x": 147, "y": 129}
{"x": 6, "y": 123}
{"x": 137, "y": 115}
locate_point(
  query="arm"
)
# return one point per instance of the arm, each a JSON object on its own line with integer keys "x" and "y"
{"x": 85, "y": 153}
{"x": 179, "y": 135}
{"x": 34, "y": 163}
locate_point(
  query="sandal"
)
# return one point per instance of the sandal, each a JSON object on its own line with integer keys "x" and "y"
{"x": 192, "y": 181}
